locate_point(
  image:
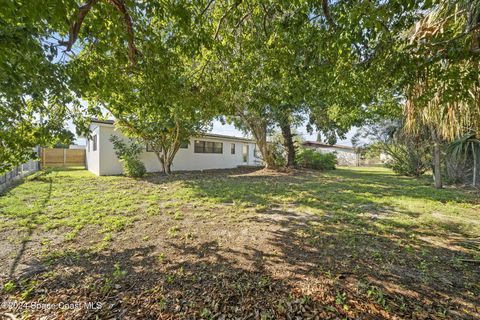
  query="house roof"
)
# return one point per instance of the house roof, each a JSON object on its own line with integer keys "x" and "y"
{"x": 206, "y": 135}
{"x": 222, "y": 136}
{"x": 95, "y": 120}
{"x": 324, "y": 145}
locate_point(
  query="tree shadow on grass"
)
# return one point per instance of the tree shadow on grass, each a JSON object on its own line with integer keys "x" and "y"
{"x": 432, "y": 273}
{"x": 405, "y": 276}
{"x": 133, "y": 284}
{"x": 342, "y": 194}
{"x": 341, "y": 186}
{"x": 337, "y": 264}
{"x": 305, "y": 268}
{"x": 31, "y": 226}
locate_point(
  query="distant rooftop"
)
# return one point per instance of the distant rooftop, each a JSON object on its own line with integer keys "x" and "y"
{"x": 324, "y": 145}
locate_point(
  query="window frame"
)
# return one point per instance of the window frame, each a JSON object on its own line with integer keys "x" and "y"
{"x": 232, "y": 148}
{"x": 205, "y": 146}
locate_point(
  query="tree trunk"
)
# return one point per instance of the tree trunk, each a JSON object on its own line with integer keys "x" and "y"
{"x": 437, "y": 174}
{"x": 258, "y": 127}
{"x": 288, "y": 143}
{"x": 166, "y": 157}
{"x": 260, "y": 135}
{"x": 167, "y": 163}
{"x": 266, "y": 155}
{"x": 475, "y": 165}
{"x": 168, "y": 168}
{"x": 161, "y": 158}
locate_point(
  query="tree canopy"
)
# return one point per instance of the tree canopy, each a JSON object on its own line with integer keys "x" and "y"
{"x": 164, "y": 69}
{"x": 34, "y": 97}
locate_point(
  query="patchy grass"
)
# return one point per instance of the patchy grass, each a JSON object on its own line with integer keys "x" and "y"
{"x": 349, "y": 243}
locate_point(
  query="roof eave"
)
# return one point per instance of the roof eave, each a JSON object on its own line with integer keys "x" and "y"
{"x": 206, "y": 135}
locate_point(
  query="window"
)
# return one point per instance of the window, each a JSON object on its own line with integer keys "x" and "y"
{"x": 94, "y": 139}
{"x": 149, "y": 148}
{"x": 184, "y": 145}
{"x": 245, "y": 153}
{"x": 208, "y": 147}
{"x": 233, "y": 148}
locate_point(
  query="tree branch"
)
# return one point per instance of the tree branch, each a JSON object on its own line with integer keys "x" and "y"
{"x": 206, "y": 8}
{"x": 239, "y": 22}
{"x": 84, "y": 9}
{"x": 133, "y": 52}
{"x": 75, "y": 27}
{"x": 328, "y": 16}
{"x": 236, "y": 4}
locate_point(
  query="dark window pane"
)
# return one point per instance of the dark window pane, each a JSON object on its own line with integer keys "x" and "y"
{"x": 208, "y": 147}
{"x": 218, "y": 147}
{"x": 199, "y": 146}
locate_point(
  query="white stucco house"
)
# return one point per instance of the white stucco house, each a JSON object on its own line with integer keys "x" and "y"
{"x": 346, "y": 155}
{"x": 210, "y": 151}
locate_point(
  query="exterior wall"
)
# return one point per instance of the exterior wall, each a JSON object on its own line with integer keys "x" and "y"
{"x": 93, "y": 157}
{"x": 109, "y": 164}
{"x": 385, "y": 157}
{"x": 185, "y": 159}
{"x": 254, "y": 155}
{"x": 345, "y": 157}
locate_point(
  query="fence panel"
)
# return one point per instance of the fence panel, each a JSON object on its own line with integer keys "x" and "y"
{"x": 75, "y": 157}
{"x": 17, "y": 173}
{"x": 52, "y": 157}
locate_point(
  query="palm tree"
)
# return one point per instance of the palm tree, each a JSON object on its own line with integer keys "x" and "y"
{"x": 444, "y": 97}
{"x": 460, "y": 147}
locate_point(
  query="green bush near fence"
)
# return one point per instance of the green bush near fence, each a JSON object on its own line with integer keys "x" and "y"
{"x": 308, "y": 158}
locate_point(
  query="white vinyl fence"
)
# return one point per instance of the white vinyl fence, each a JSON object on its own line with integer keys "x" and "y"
{"x": 18, "y": 172}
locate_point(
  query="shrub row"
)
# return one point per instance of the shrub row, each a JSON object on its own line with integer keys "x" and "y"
{"x": 308, "y": 158}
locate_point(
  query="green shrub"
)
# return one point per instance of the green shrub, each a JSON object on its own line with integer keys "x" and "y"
{"x": 308, "y": 158}
{"x": 133, "y": 167}
{"x": 128, "y": 156}
{"x": 408, "y": 159}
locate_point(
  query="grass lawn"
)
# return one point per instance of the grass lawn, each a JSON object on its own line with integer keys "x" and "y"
{"x": 354, "y": 243}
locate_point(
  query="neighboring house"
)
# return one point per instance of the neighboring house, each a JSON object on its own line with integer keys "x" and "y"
{"x": 210, "y": 151}
{"x": 385, "y": 157}
{"x": 346, "y": 156}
